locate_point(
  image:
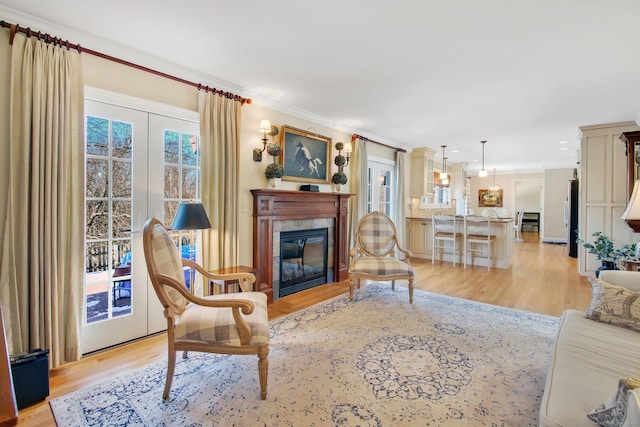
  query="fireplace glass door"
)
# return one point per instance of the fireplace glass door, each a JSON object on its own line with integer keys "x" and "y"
{"x": 303, "y": 259}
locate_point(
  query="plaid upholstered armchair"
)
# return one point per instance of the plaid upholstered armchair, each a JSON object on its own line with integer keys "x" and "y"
{"x": 226, "y": 323}
{"x": 374, "y": 255}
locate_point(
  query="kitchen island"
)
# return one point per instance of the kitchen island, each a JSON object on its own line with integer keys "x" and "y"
{"x": 420, "y": 241}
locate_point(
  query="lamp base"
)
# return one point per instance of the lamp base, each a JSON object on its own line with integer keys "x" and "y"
{"x": 257, "y": 155}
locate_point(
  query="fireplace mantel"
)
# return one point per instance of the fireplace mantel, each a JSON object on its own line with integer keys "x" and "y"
{"x": 281, "y": 205}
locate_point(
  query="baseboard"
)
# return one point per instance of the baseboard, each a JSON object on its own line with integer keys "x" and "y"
{"x": 554, "y": 240}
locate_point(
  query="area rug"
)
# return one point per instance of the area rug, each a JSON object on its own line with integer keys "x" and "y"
{"x": 376, "y": 361}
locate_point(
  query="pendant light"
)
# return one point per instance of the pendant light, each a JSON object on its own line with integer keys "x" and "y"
{"x": 445, "y": 180}
{"x": 483, "y": 171}
{"x": 495, "y": 187}
{"x": 443, "y": 174}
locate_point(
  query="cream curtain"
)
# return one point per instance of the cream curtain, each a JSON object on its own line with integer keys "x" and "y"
{"x": 220, "y": 133}
{"x": 42, "y": 263}
{"x": 358, "y": 187}
{"x": 399, "y": 199}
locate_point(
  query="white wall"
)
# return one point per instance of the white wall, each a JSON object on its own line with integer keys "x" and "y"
{"x": 556, "y": 192}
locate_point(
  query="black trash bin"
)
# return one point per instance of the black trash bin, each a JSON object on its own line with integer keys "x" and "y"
{"x": 30, "y": 372}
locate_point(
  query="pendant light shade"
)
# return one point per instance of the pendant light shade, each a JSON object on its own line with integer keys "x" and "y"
{"x": 483, "y": 171}
{"x": 443, "y": 174}
{"x": 495, "y": 187}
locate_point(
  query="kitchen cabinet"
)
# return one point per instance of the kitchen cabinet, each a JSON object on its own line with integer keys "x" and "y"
{"x": 419, "y": 232}
{"x": 422, "y": 172}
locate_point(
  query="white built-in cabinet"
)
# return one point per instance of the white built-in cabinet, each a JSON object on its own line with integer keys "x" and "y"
{"x": 419, "y": 237}
{"x": 422, "y": 172}
{"x": 603, "y": 188}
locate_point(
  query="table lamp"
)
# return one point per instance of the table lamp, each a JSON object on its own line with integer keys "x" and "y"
{"x": 190, "y": 216}
{"x": 632, "y": 213}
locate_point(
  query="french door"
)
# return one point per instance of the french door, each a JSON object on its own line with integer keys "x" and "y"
{"x": 381, "y": 187}
{"x": 138, "y": 164}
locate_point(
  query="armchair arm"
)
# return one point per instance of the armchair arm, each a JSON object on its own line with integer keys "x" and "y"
{"x": 246, "y": 280}
{"x": 407, "y": 253}
{"x": 245, "y": 305}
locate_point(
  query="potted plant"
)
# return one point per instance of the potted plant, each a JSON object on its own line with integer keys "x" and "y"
{"x": 339, "y": 178}
{"x": 274, "y": 173}
{"x": 604, "y": 250}
{"x": 274, "y": 149}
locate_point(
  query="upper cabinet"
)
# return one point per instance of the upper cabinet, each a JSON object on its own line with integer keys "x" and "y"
{"x": 422, "y": 172}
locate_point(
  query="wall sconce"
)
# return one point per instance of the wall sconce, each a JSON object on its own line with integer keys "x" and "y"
{"x": 348, "y": 149}
{"x": 265, "y": 128}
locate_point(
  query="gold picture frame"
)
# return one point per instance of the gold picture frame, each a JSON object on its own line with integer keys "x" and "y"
{"x": 488, "y": 198}
{"x": 305, "y": 156}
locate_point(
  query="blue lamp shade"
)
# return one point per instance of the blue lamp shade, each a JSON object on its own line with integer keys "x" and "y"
{"x": 190, "y": 216}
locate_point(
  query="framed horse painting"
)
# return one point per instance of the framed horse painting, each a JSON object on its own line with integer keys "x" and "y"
{"x": 305, "y": 155}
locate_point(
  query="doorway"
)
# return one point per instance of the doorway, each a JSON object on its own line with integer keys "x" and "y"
{"x": 529, "y": 198}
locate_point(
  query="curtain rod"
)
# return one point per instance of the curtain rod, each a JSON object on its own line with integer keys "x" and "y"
{"x": 47, "y": 38}
{"x": 356, "y": 136}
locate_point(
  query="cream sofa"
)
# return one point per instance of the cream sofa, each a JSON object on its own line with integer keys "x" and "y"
{"x": 587, "y": 361}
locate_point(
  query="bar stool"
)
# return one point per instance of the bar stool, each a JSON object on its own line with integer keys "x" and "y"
{"x": 517, "y": 227}
{"x": 445, "y": 230}
{"x": 477, "y": 235}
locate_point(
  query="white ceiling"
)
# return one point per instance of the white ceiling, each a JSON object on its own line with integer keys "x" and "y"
{"x": 523, "y": 75}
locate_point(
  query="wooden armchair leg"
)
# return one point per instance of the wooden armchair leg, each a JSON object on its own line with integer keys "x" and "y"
{"x": 171, "y": 366}
{"x": 410, "y": 290}
{"x": 263, "y": 368}
{"x": 351, "y": 284}
{"x": 185, "y": 354}
{"x": 393, "y": 285}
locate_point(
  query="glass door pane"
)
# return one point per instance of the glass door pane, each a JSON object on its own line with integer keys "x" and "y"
{"x": 384, "y": 199}
{"x": 108, "y": 218}
{"x": 381, "y": 187}
{"x": 115, "y": 307}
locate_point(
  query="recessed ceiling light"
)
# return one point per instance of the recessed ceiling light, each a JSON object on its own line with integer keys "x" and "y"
{"x": 455, "y": 151}
{"x": 563, "y": 142}
{"x": 564, "y": 148}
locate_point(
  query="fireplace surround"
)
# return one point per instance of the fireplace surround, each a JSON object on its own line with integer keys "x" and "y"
{"x": 273, "y": 206}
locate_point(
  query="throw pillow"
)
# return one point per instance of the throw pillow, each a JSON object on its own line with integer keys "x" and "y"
{"x": 612, "y": 412}
{"x": 614, "y": 304}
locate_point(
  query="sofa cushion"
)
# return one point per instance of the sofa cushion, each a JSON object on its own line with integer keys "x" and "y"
{"x": 614, "y": 305}
{"x": 628, "y": 279}
{"x": 612, "y": 412}
{"x": 588, "y": 360}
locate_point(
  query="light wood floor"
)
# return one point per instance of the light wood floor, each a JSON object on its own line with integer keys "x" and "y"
{"x": 542, "y": 279}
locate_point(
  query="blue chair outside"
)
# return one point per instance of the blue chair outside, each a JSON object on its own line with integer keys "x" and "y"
{"x": 122, "y": 273}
